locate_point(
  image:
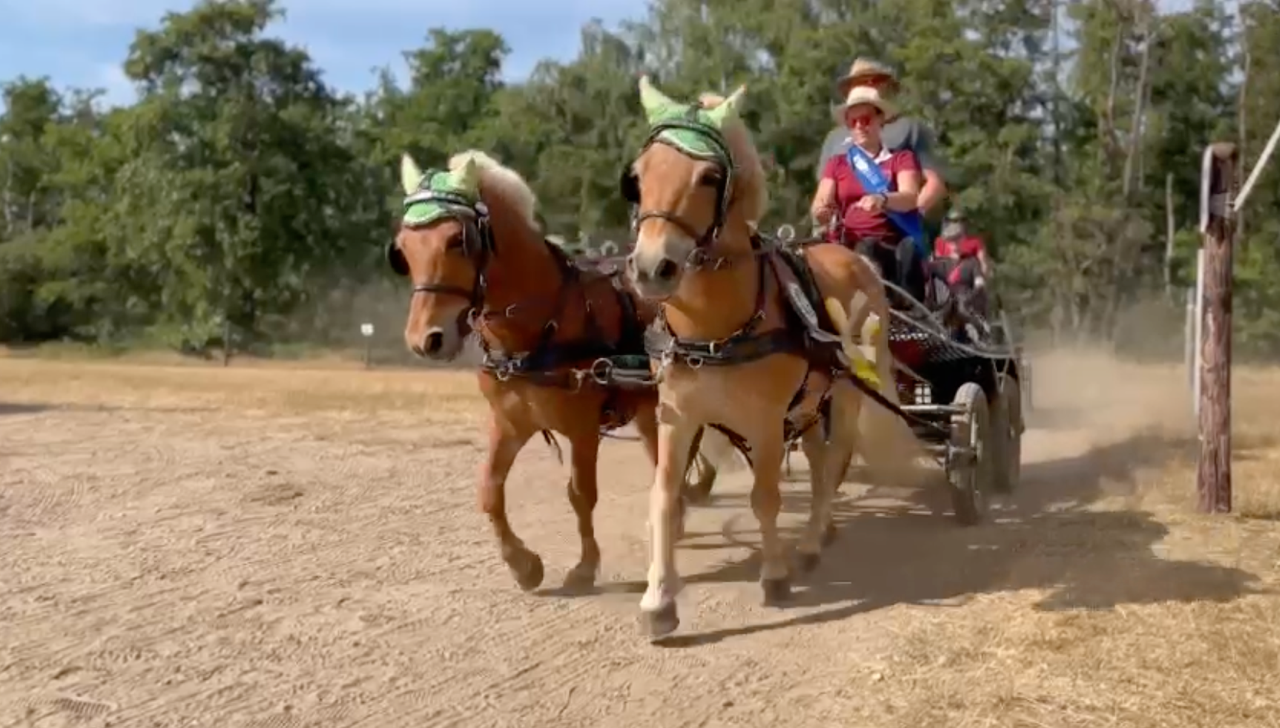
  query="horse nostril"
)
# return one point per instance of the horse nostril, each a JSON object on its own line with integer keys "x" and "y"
{"x": 434, "y": 341}
{"x": 667, "y": 270}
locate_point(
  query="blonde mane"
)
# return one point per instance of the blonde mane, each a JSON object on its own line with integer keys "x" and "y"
{"x": 503, "y": 182}
{"x": 749, "y": 176}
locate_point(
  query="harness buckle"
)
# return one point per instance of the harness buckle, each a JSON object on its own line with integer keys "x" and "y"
{"x": 694, "y": 361}
{"x": 504, "y": 371}
{"x": 600, "y": 370}
{"x": 697, "y": 258}
{"x": 714, "y": 348}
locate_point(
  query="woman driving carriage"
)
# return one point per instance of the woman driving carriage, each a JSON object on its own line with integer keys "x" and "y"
{"x": 863, "y": 220}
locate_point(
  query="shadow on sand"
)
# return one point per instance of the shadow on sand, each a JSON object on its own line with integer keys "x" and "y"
{"x": 1045, "y": 536}
{"x": 10, "y": 408}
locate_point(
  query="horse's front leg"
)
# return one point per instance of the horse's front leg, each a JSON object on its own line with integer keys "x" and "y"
{"x": 646, "y": 423}
{"x": 583, "y": 496}
{"x": 504, "y": 444}
{"x": 766, "y": 501}
{"x": 675, "y": 436}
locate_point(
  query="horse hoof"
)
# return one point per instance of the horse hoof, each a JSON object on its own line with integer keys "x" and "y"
{"x": 661, "y": 622}
{"x": 808, "y": 562}
{"x": 829, "y": 534}
{"x": 527, "y": 569}
{"x": 580, "y": 578}
{"x": 776, "y": 591}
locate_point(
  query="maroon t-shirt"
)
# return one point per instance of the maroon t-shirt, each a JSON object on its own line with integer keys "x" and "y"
{"x": 859, "y": 223}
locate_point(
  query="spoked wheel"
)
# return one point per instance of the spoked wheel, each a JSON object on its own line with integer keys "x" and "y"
{"x": 1006, "y": 435}
{"x": 969, "y": 462}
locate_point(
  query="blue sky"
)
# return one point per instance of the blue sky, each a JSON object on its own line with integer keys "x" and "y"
{"x": 83, "y": 42}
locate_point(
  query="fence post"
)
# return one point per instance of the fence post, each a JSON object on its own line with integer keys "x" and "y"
{"x": 1197, "y": 332}
{"x": 1189, "y": 346}
{"x": 1217, "y": 225}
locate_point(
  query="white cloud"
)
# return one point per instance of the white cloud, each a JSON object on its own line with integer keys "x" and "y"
{"x": 119, "y": 89}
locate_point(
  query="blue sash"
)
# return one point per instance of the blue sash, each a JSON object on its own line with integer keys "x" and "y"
{"x": 873, "y": 180}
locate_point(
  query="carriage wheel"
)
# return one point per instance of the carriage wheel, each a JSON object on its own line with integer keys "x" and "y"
{"x": 968, "y": 474}
{"x": 1006, "y": 435}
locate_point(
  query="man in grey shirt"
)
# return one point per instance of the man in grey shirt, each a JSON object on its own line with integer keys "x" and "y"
{"x": 901, "y": 132}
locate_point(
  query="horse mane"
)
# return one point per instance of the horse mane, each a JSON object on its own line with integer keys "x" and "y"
{"x": 749, "y": 176}
{"x": 503, "y": 183}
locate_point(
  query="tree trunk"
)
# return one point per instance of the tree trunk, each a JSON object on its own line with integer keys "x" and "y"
{"x": 1107, "y": 129}
{"x": 1170, "y": 230}
{"x": 1242, "y": 121}
{"x": 1135, "y": 127}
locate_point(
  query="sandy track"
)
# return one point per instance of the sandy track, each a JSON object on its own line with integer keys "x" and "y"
{"x": 200, "y": 567}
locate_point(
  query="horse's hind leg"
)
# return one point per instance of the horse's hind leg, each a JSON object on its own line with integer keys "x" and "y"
{"x": 828, "y": 455}
{"x": 504, "y": 445}
{"x": 583, "y": 495}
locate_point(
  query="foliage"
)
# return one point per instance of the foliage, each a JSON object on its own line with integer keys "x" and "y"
{"x": 243, "y": 201}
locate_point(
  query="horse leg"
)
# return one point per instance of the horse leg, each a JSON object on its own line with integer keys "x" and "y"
{"x": 766, "y": 502}
{"x": 646, "y": 423}
{"x": 583, "y": 496}
{"x": 828, "y": 461}
{"x": 658, "y": 605}
{"x": 699, "y": 491}
{"x": 504, "y": 445}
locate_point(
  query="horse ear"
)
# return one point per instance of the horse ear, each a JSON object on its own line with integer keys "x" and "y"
{"x": 467, "y": 176}
{"x": 410, "y": 175}
{"x": 654, "y": 101}
{"x": 727, "y": 109}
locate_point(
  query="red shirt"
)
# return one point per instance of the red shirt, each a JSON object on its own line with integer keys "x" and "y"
{"x": 969, "y": 247}
{"x": 859, "y": 223}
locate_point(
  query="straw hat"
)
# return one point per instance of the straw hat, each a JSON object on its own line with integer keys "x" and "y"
{"x": 863, "y": 95}
{"x": 865, "y": 68}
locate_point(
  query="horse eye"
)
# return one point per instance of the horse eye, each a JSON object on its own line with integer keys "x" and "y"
{"x": 456, "y": 242}
{"x": 710, "y": 178}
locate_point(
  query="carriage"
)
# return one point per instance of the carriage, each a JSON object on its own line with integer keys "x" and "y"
{"x": 963, "y": 386}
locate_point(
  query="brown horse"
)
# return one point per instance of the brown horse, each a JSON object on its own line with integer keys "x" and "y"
{"x": 745, "y": 349}
{"x": 471, "y": 246}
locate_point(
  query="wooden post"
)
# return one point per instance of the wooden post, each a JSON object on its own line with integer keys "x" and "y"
{"x": 1213, "y": 477}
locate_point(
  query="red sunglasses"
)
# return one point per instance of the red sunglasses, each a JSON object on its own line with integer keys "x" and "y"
{"x": 861, "y": 121}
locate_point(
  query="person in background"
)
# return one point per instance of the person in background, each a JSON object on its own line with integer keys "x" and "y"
{"x": 960, "y": 258}
{"x": 873, "y": 222}
{"x": 899, "y": 132}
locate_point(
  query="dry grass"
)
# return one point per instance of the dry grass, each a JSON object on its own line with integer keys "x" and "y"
{"x": 251, "y": 387}
{"x": 1101, "y": 599}
{"x": 1140, "y": 612}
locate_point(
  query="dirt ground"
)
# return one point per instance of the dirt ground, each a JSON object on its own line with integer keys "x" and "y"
{"x": 273, "y": 547}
